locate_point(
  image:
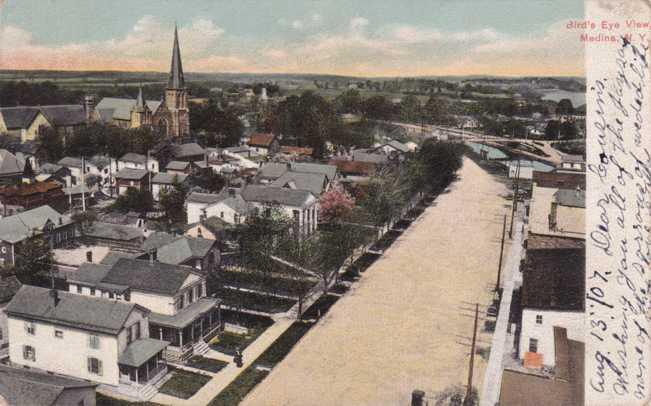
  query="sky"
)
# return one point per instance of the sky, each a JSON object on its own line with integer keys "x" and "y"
{"x": 344, "y": 37}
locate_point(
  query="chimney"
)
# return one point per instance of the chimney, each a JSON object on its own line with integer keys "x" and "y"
{"x": 54, "y": 294}
{"x": 89, "y": 107}
{"x": 89, "y": 256}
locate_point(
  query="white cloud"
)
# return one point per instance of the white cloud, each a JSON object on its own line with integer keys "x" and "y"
{"x": 358, "y": 23}
{"x": 297, "y": 24}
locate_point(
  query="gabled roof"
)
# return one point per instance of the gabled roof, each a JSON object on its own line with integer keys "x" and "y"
{"x": 204, "y": 198}
{"x": 140, "y": 351}
{"x": 272, "y": 170}
{"x": 64, "y": 115}
{"x": 148, "y": 276}
{"x": 28, "y": 189}
{"x": 79, "y": 311}
{"x": 184, "y": 248}
{"x": 261, "y": 139}
{"x": 365, "y": 156}
{"x": 20, "y": 117}
{"x": 10, "y": 164}
{"x": 21, "y": 386}
{"x": 169, "y": 178}
{"x": 21, "y": 226}
{"x": 133, "y": 157}
{"x": 131, "y": 173}
{"x": 287, "y": 149}
{"x": 156, "y": 240}
{"x": 188, "y": 150}
{"x": 276, "y": 195}
{"x": 329, "y": 170}
{"x": 177, "y": 165}
{"x": 70, "y": 162}
{"x": 312, "y": 182}
{"x": 354, "y": 167}
{"x": 398, "y": 146}
{"x": 554, "y": 279}
{"x": 113, "y": 108}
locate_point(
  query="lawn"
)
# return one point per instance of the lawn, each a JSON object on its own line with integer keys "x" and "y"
{"x": 254, "y": 301}
{"x": 228, "y": 342}
{"x": 385, "y": 242}
{"x": 283, "y": 344}
{"x": 321, "y": 306}
{"x": 184, "y": 384}
{"x": 103, "y": 400}
{"x": 366, "y": 260}
{"x": 233, "y": 394}
{"x": 274, "y": 285}
{"x": 339, "y": 289}
{"x": 207, "y": 364}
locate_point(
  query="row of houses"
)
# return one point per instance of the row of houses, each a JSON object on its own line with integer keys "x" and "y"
{"x": 549, "y": 313}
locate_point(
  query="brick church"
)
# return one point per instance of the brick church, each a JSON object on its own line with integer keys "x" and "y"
{"x": 170, "y": 116}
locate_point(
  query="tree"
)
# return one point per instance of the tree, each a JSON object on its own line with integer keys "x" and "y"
{"x": 208, "y": 180}
{"x": 51, "y": 147}
{"x": 349, "y": 101}
{"x": 34, "y": 259}
{"x": 220, "y": 127}
{"x": 568, "y": 130}
{"x": 173, "y": 201}
{"x": 410, "y": 109}
{"x": 84, "y": 219}
{"x": 335, "y": 205}
{"x": 134, "y": 199}
{"x": 379, "y": 108}
{"x": 564, "y": 107}
{"x": 553, "y": 130}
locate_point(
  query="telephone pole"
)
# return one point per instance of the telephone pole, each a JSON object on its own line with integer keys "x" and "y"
{"x": 83, "y": 184}
{"x": 499, "y": 267}
{"x": 515, "y": 198}
{"x": 467, "y": 401}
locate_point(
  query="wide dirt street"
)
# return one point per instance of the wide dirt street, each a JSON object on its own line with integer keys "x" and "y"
{"x": 407, "y": 324}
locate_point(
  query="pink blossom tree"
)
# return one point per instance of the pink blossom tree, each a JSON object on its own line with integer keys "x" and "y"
{"x": 336, "y": 204}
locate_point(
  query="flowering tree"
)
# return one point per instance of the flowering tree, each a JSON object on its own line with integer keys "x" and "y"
{"x": 336, "y": 204}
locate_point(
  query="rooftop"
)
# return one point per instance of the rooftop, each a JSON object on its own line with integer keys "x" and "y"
{"x": 165, "y": 178}
{"x": 85, "y": 312}
{"x": 113, "y": 231}
{"x": 114, "y": 108}
{"x": 131, "y": 173}
{"x": 140, "y": 351}
{"x": 24, "y": 224}
{"x": 188, "y": 150}
{"x": 186, "y": 315}
{"x": 276, "y": 195}
{"x": 10, "y": 164}
{"x": 261, "y": 139}
{"x": 148, "y": 276}
{"x": 555, "y": 179}
{"x": 205, "y": 198}
{"x": 312, "y": 182}
{"x": 133, "y": 157}
{"x": 177, "y": 165}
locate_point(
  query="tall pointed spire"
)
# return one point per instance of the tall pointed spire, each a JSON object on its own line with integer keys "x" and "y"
{"x": 140, "y": 101}
{"x": 176, "y": 80}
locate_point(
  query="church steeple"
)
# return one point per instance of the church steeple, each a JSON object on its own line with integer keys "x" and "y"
{"x": 140, "y": 101}
{"x": 176, "y": 80}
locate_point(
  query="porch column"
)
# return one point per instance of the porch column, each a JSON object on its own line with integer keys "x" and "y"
{"x": 147, "y": 370}
{"x": 160, "y": 333}
{"x": 201, "y": 327}
{"x": 210, "y": 318}
{"x": 181, "y": 338}
{"x": 192, "y": 331}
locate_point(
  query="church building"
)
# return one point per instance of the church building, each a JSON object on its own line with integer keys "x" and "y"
{"x": 170, "y": 116}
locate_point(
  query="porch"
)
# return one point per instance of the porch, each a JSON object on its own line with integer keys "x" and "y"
{"x": 190, "y": 327}
{"x": 141, "y": 366}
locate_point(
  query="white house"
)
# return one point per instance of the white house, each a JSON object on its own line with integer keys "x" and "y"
{"x": 100, "y": 166}
{"x": 228, "y": 205}
{"x": 138, "y": 161}
{"x": 164, "y": 182}
{"x": 552, "y": 296}
{"x": 557, "y": 205}
{"x": 101, "y": 340}
{"x": 524, "y": 167}
{"x": 9, "y": 285}
{"x": 181, "y": 313}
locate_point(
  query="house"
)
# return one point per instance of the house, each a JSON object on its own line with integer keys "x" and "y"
{"x": 26, "y": 122}
{"x": 165, "y": 181}
{"x": 393, "y": 149}
{"x": 370, "y": 156}
{"x": 564, "y": 385}
{"x": 137, "y": 161}
{"x": 131, "y": 178}
{"x": 61, "y": 174}
{"x": 97, "y": 165}
{"x": 189, "y": 152}
{"x": 115, "y": 236}
{"x": 181, "y": 312}
{"x": 553, "y": 295}
{"x": 93, "y": 338}
{"x": 354, "y": 170}
{"x": 300, "y": 206}
{"x": 228, "y": 206}
{"x": 521, "y": 169}
{"x": 572, "y": 163}
{"x": 11, "y": 168}
{"x": 199, "y": 253}
{"x": 31, "y": 195}
{"x": 316, "y": 183}
{"x": 42, "y": 222}
{"x": 20, "y": 386}
{"x": 179, "y": 167}
{"x": 212, "y": 228}
{"x": 557, "y": 205}
{"x": 9, "y": 285}
{"x": 297, "y": 152}
{"x": 264, "y": 143}
{"x": 272, "y": 171}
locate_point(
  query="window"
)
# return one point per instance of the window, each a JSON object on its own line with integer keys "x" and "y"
{"x": 58, "y": 333}
{"x": 93, "y": 341}
{"x": 533, "y": 345}
{"x": 180, "y": 302}
{"x": 221, "y": 214}
{"x": 94, "y": 366}
{"x": 127, "y": 296}
{"x": 111, "y": 295}
{"x": 538, "y": 318}
{"x": 78, "y": 288}
{"x": 129, "y": 336}
{"x": 136, "y": 328}
{"x": 30, "y": 328}
{"x": 1, "y": 334}
{"x": 29, "y": 353}
{"x": 92, "y": 291}
{"x": 190, "y": 296}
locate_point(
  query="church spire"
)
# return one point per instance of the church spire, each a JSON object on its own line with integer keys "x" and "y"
{"x": 140, "y": 101}
{"x": 176, "y": 71}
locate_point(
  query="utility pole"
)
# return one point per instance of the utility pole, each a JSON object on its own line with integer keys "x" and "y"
{"x": 83, "y": 184}
{"x": 499, "y": 267}
{"x": 515, "y": 198}
{"x": 467, "y": 401}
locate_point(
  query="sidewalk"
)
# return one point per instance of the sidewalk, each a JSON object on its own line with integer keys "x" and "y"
{"x": 500, "y": 346}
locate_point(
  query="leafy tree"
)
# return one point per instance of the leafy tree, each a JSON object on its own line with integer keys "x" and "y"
{"x": 173, "y": 201}
{"x": 564, "y": 107}
{"x": 379, "y": 108}
{"x": 134, "y": 199}
{"x": 410, "y": 109}
{"x": 208, "y": 180}
{"x": 220, "y": 127}
{"x": 349, "y": 101}
{"x": 51, "y": 147}
{"x": 569, "y": 130}
{"x": 553, "y": 130}
{"x": 34, "y": 260}
{"x": 440, "y": 161}
{"x": 84, "y": 219}
{"x": 335, "y": 204}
